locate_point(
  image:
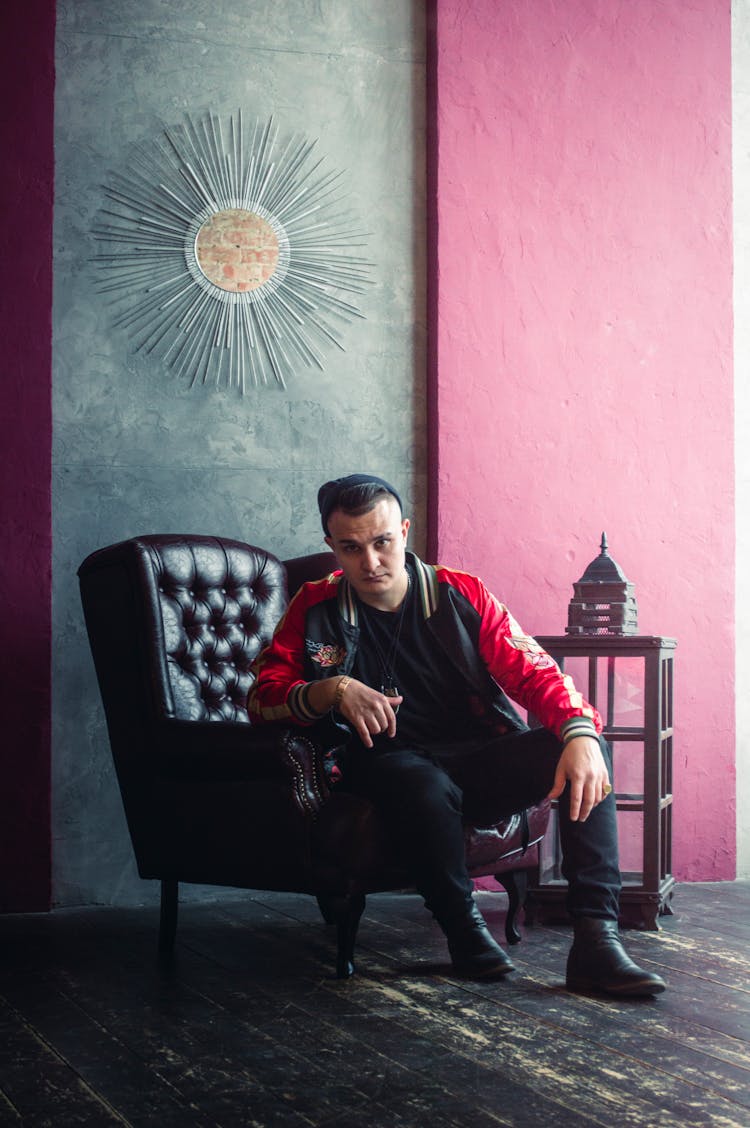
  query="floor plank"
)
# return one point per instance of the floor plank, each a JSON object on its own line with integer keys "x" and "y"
{"x": 248, "y": 1026}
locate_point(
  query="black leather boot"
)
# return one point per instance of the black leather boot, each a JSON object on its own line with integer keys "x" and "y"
{"x": 598, "y": 962}
{"x": 473, "y": 951}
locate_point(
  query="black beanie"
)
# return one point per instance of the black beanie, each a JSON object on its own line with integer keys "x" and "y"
{"x": 330, "y": 493}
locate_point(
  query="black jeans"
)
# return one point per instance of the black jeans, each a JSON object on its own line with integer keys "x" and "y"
{"x": 425, "y": 796}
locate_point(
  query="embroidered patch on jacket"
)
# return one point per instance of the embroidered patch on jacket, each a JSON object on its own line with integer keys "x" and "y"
{"x": 539, "y": 658}
{"x": 325, "y": 653}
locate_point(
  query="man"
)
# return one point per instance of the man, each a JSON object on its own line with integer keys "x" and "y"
{"x": 417, "y": 660}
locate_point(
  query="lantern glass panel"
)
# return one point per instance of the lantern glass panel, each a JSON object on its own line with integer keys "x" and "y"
{"x": 620, "y": 690}
{"x": 630, "y": 831}
{"x": 627, "y": 762}
{"x": 628, "y": 758}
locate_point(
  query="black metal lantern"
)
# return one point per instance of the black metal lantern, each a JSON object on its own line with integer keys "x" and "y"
{"x": 603, "y": 600}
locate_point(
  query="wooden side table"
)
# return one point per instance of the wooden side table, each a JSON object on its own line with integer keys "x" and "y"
{"x": 630, "y": 680}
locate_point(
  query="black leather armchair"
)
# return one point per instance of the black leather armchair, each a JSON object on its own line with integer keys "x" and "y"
{"x": 175, "y": 622}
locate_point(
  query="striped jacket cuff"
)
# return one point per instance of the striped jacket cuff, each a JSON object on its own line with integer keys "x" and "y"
{"x": 300, "y": 706}
{"x": 577, "y": 726}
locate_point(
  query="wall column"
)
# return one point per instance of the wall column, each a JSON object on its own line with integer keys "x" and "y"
{"x": 26, "y": 194}
{"x": 582, "y": 364}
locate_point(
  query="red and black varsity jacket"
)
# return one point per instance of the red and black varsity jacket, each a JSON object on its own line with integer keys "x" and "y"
{"x": 319, "y": 634}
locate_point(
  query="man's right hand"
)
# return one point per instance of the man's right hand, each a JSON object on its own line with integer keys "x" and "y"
{"x": 369, "y": 712}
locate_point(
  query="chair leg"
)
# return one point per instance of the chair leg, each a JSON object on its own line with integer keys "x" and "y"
{"x": 168, "y": 917}
{"x": 327, "y": 908}
{"x": 345, "y": 913}
{"x": 515, "y": 884}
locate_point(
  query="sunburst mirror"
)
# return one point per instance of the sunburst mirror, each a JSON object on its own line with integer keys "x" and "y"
{"x": 231, "y": 256}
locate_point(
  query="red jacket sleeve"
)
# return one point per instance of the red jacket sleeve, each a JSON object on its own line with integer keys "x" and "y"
{"x": 526, "y": 672}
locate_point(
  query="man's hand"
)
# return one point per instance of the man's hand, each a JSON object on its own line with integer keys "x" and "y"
{"x": 368, "y": 711}
{"x": 583, "y": 765}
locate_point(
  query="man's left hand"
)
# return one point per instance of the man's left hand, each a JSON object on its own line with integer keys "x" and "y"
{"x": 583, "y": 765}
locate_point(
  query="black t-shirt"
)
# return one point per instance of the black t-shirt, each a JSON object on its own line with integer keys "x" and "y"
{"x": 397, "y": 650}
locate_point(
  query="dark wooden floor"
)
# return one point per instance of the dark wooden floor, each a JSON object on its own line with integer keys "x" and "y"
{"x": 249, "y": 1028}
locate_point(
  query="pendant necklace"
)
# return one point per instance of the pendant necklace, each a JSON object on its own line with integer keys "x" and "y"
{"x": 388, "y": 686}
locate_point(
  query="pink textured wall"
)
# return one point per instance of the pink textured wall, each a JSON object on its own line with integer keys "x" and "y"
{"x": 582, "y": 356}
{"x": 26, "y": 94}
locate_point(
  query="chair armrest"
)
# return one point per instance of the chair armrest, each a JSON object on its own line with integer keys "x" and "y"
{"x": 304, "y": 760}
{"x": 232, "y": 751}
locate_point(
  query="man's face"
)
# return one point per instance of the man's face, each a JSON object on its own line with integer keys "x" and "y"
{"x": 371, "y": 552}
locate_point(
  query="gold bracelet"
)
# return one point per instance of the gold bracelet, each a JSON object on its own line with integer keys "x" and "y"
{"x": 340, "y": 688}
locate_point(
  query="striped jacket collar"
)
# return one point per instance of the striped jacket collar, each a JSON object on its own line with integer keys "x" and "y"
{"x": 427, "y": 591}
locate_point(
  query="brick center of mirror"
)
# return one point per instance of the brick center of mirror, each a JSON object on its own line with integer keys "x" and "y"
{"x": 237, "y": 250}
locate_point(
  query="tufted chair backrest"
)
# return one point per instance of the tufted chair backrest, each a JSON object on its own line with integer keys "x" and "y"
{"x": 220, "y": 602}
{"x": 190, "y": 613}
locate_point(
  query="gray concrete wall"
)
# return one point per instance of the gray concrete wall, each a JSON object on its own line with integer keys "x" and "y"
{"x": 138, "y": 451}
